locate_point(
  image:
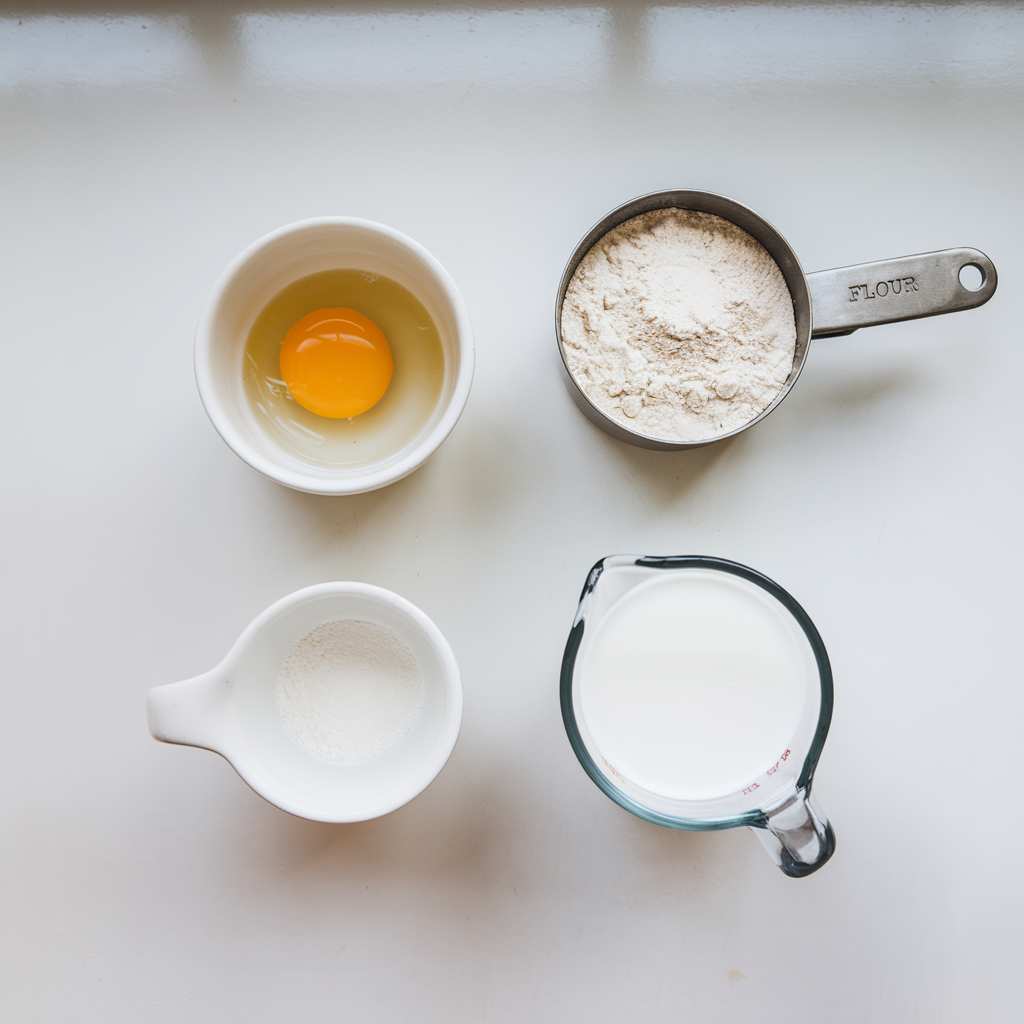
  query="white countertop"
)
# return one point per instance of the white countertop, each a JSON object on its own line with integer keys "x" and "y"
{"x": 141, "y": 151}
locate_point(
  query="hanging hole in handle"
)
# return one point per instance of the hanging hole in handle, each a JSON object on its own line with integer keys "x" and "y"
{"x": 972, "y": 277}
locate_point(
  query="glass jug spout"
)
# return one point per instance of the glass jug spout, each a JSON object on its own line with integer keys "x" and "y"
{"x": 797, "y": 835}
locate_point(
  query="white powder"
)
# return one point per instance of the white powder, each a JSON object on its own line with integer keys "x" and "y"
{"x": 679, "y": 325}
{"x": 349, "y": 691}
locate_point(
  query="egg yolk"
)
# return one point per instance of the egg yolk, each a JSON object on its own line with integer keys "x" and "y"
{"x": 336, "y": 363}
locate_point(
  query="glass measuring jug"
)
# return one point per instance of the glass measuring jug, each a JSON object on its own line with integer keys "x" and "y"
{"x": 828, "y": 303}
{"x": 763, "y": 780}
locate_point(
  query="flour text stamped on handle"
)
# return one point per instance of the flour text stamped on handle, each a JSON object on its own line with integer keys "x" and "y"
{"x": 907, "y": 288}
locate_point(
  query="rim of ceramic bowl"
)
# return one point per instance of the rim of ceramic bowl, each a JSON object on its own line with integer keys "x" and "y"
{"x": 351, "y": 483}
{"x": 428, "y": 770}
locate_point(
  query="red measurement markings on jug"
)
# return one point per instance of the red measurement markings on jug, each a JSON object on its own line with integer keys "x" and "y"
{"x": 611, "y": 768}
{"x": 751, "y": 788}
{"x": 775, "y": 767}
{"x": 897, "y": 286}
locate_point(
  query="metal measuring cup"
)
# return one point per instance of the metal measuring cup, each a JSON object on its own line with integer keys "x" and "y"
{"x": 826, "y": 303}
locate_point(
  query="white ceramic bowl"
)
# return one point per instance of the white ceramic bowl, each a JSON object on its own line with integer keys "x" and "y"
{"x": 278, "y": 259}
{"x": 232, "y": 709}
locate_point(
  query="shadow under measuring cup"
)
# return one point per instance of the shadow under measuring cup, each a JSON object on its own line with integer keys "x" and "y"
{"x": 697, "y": 694}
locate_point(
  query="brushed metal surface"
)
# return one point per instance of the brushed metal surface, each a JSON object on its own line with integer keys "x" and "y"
{"x": 906, "y": 288}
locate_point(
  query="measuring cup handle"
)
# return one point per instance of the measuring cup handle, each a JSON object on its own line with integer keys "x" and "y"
{"x": 189, "y": 712}
{"x": 797, "y": 836}
{"x": 902, "y": 289}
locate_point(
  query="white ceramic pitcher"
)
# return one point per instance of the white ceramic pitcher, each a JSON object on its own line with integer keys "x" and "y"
{"x": 231, "y": 709}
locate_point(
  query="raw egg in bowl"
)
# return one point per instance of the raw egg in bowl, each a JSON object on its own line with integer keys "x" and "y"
{"x": 334, "y": 355}
{"x": 336, "y": 363}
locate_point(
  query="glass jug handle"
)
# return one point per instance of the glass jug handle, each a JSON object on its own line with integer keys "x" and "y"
{"x": 797, "y": 835}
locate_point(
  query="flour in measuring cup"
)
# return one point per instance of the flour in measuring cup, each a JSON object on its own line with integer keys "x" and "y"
{"x": 349, "y": 691}
{"x": 679, "y": 325}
